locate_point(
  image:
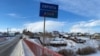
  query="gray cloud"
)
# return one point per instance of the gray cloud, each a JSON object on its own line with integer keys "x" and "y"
{"x": 86, "y": 26}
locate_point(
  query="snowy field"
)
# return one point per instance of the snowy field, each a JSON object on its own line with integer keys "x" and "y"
{"x": 75, "y": 46}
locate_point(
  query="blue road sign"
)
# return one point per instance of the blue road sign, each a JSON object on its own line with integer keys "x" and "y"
{"x": 48, "y": 10}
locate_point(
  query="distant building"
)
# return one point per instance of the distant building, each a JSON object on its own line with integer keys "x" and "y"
{"x": 96, "y": 35}
{"x": 55, "y": 33}
{"x": 0, "y": 34}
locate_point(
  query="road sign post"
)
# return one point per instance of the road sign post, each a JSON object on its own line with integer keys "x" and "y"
{"x": 47, "y": 10}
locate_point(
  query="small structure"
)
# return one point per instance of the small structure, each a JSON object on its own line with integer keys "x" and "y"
{"x": 96, "y": 35}
{"x": 55, "y": 33}
{"x": 58, "y": 42}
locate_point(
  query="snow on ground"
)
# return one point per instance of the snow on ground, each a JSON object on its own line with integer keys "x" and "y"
{"x": 90, "y": 42}
{"x": 35, "y": 41}
{"x": 18, "y": 50}
{"x": 74, "y": 46}
{"x": 58, "y": 41}
{"x": 27, "y": 50}
{"x": 21, "y": 49}
{"x": 84, "y": 38}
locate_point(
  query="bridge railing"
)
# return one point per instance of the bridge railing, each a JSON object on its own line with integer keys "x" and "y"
{"x": 39, "y": 50}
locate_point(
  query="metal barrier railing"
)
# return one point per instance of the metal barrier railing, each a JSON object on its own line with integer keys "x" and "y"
{"x": 38, "y": 49}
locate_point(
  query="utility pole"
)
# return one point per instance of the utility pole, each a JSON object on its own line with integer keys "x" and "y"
{"x": 7, "y": 32}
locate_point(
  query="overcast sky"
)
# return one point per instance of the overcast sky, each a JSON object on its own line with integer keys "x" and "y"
{"x": 74, "y": 15}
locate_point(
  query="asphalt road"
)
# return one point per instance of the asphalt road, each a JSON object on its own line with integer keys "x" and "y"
{"x": 7, "y": 48}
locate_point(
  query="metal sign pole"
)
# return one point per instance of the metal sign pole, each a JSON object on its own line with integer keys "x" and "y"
{"x": 47, "y": 10}
{"x": 44, "y": 35}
